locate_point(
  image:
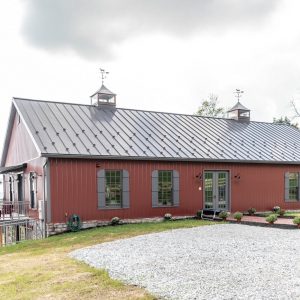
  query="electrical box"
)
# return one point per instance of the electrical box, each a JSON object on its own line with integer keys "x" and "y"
{"x": 41, "y": 209}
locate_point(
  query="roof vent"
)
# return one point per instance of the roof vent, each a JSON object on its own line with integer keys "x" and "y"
{"x": 103, "y": 97}
{"x": 239, "y": 112}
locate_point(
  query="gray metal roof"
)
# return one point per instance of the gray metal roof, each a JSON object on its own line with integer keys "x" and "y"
{"x": 73, "y": 130}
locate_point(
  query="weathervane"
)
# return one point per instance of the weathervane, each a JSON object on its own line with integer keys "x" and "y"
{"x": 103, "y": 74}
{"x": 238, "y": 93}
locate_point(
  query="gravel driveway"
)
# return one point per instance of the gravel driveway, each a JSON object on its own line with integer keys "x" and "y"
{"x": 227, "y": 261}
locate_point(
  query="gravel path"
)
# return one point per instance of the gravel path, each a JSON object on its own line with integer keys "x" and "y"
{"x": 227, "y": 261}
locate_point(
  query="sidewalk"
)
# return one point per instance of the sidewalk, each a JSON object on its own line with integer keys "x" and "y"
{"x": 261, "y": 221}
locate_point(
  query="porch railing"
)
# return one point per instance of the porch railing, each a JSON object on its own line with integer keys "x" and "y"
{"x": 14, "y": 210}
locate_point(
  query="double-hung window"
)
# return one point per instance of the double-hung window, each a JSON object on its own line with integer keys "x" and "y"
{"x": 165, "y": 188}
{"x": 113, "y": 189}
{"x": 292, "y": 186}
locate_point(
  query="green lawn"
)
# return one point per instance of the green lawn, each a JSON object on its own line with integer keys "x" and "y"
{"x": 42, "y": 269}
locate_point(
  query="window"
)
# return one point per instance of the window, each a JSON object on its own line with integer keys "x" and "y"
{"x": 32, "y": 189}
{"x": 165, "y": 184}
{"x": 165, "y": 188}
{"x": 113, "y": 188}
{"x": 291, "y": 186}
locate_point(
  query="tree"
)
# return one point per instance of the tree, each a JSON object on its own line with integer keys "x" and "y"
{"x": 285, "y": 121}
{"x": 209, "y": 107}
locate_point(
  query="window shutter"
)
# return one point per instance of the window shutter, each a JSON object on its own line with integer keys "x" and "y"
{"x": 155, "y": 188}
{"x": 125, "y": 189}
{"x": 175, "y": 188}
{"x": 101, "y": 188}
{"x": 286, "y": 186}
{"x": 298, "y": 186}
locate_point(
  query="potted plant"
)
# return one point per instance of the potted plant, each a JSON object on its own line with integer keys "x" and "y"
{"x": 238, "y": 216}
{"x": 167, "y": 217}
{"x": 199, "y": 214}
{"x": 251, "y": 211}
{"x": 296, "y": 221}
{"x": 115, "y": 221}
{"x": 271, "y": 218}
{"x": 223, "y": 215}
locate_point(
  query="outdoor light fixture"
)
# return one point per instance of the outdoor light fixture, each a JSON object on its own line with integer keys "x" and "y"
{"x": 199, "y": 176}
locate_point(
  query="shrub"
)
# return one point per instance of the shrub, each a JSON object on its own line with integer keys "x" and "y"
{"x": 168, "y": 217}
{"x": 276, "y": 209}
{"x": 198, "y": 214}
{"x": 251, "y": 211}
{"x": 271, "y": 218}
{"x": 115, "y": 221}
{"x": 238, "y": 215}
{"x": 296, "y": 221}
{"x": 223, "y": 215}
{"x": 281, "y": 212}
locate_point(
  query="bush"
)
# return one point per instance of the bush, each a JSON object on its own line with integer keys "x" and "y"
{"x": 115, "y": 221}
{"x": 251, "y": 211}
{"x": 223, "y": 215}
{"x": 281, "y": 212}
{"x": 198, "y": 214}
{"x": 276, "y": 209}
{"x": 296, "y": 220}
{"x": 168, "y": 217}
{"x": 271, "y": 218}
{"x": 238, "y": 215}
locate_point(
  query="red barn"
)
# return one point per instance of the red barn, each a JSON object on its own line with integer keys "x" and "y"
{"x": 99, "y": 161}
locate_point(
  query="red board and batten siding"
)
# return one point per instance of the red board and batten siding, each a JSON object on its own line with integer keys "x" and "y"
{"x": 74, "y": 187}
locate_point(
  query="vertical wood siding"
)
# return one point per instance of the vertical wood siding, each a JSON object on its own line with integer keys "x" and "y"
{"x": 21, "y": 148}
{"x": 74, "y": 187}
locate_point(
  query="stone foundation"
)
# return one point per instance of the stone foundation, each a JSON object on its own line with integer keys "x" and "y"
{"x": 57, "y": 228}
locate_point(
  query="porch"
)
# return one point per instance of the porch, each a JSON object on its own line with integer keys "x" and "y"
{"x": 13, "y": 210}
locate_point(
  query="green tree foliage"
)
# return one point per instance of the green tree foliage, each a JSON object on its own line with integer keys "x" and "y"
{"x": 285, "y": 121}
{"x": 209, "y": 108}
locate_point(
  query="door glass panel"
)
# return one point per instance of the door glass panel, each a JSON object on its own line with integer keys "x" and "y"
{"x": 208, "y": 185}
{"x": 222, "y": 187}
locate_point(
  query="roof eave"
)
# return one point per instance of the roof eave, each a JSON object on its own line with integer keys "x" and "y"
{"x": 147, "y": 158}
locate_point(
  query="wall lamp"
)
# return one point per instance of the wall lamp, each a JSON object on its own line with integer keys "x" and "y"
{"x": 237, "y": 176}
{"x": 199, "y": 176}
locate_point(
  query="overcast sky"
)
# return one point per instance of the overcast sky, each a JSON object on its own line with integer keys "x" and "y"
{"x": 164, "y": 55}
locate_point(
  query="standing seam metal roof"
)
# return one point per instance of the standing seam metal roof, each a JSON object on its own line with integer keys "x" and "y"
{"x": 64, "y": 129}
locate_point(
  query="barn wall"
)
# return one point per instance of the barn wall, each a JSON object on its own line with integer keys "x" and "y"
{"x": 73, "y": 187}
{"x": 21, "y": 148}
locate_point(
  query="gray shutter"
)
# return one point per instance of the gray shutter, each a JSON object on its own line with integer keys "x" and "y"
{"x": 286, "y": 186}
{"x": 125, "y": 189}
{"x": 175, "y": 188}
{"x": 101, "y": 188}
{"x": 155, "y": 188}
{"x": 298, "y": 186}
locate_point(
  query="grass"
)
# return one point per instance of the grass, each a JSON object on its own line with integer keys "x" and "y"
{"x": 42, "y": 269}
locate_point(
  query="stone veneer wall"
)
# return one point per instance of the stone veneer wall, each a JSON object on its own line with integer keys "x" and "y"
{"x": 57, "y": 228}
